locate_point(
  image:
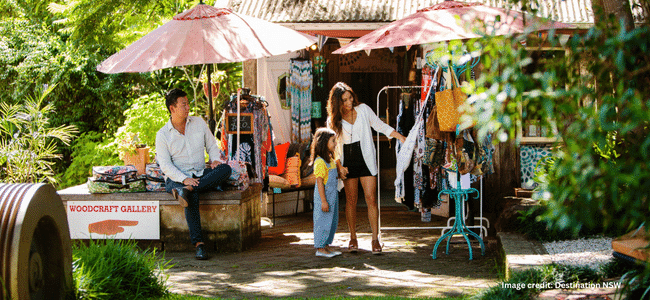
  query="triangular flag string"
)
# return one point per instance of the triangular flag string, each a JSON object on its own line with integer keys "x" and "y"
{"x": 344, "y": 42}
{"x": 321, "y": 41}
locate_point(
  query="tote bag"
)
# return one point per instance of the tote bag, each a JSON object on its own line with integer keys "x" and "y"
{"x": 448, "y": 102}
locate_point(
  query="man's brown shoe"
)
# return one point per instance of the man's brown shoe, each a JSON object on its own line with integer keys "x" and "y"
{"x": 180, "y": 194}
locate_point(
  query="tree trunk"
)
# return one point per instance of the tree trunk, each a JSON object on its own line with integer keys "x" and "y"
{"x": 619, "y": 8}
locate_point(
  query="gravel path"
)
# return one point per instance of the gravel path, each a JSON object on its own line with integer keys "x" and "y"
{"x": 591, "y": 252}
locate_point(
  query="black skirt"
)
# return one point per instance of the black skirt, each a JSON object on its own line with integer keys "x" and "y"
{"x": 353, "y": 160}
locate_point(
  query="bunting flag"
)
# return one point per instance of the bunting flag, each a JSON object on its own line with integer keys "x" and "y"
{"x": 392, "y": 49}
{"x": 408, "y": 47}
{"x": 343, "y": 41}
{"x": 321, "y": 41}
{"x": 368, "y": 52}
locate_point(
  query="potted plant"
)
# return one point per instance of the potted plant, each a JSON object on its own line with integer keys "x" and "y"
{"x": 133, "y": 152}
{"x": 216, "y": 78}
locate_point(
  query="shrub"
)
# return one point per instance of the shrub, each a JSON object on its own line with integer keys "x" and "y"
{"x": 145, "y": 117}
{"x": 91, "y": 149}
{"x": 117, "y": 269}
{"x": 28, "y": 143}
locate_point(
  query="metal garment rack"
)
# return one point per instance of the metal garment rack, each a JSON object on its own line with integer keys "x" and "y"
{"x": 480, "y": 218}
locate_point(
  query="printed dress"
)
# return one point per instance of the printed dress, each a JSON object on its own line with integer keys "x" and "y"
{"x": 325, "y": 223}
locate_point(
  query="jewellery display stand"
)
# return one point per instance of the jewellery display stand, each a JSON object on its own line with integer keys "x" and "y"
{"x": 460, "y": 196}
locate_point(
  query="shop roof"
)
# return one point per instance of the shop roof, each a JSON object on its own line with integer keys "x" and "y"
{"x": 371, "y": 14}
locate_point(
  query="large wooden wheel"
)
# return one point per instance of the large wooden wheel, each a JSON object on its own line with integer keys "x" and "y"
{"x": 36, "y": 256}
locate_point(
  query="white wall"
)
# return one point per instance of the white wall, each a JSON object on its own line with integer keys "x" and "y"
{"x": 268, "y": 71}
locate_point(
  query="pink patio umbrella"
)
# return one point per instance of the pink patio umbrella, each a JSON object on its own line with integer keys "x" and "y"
{"x": 206, "y": 35}
{"x": 440, "y": 23}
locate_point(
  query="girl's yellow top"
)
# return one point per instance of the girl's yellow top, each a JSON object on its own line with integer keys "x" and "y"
{"x": 321, "y": 170}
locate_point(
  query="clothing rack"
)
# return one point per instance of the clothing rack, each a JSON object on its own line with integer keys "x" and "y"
{"x": 480, "y": 218}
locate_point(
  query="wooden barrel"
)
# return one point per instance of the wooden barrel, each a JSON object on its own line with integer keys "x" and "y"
{"x": 35, "y": 250}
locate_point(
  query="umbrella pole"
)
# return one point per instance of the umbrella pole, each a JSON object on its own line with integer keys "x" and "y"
{"x": 238, "y": 122}
{"x": 211, "y": 122}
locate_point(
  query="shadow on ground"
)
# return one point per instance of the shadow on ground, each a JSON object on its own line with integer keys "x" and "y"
{"x": 283, "y": 264}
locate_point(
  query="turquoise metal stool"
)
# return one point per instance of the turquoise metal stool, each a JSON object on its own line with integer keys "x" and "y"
{"x": 460, "y": 196}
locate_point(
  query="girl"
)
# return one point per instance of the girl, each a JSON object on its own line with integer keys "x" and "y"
{"x": 326, "y": 196}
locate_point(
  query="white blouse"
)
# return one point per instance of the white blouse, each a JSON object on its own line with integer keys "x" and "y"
{"x": 361, "y": 131}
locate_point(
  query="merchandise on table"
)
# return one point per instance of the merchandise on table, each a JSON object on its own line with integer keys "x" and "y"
{"x": 115, "y": 174}
{"x": 103, "y": 187}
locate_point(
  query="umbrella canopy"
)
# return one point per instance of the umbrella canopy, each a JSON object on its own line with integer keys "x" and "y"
{"x": 206, "y": 35}
{"x": 439, "y": 23}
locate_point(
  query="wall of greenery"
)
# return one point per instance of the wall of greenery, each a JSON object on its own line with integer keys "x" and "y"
{"x": 44, "y": 44}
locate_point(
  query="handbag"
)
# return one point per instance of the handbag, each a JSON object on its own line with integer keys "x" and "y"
{"x": 433, "y": 126}
{"x": 434, "y": 153}
{"x": 448, "y": 102}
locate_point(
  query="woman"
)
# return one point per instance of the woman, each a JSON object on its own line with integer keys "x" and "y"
{"x": 356, "y": 154}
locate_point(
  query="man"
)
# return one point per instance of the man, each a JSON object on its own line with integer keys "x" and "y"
{"x": 180, "y": 146}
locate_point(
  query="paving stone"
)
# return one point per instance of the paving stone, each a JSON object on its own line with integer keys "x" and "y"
{"x": 283, "y": 264}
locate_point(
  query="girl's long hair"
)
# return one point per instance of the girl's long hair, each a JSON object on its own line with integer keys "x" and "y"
{"x": 319, "y": 145}
{"x": 334, "y": 104}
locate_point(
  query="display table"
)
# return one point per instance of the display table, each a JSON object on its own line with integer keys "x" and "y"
{"x": 230, "y": 219}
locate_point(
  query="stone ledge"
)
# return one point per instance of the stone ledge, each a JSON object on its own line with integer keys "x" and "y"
{"x": 520, "y": 254}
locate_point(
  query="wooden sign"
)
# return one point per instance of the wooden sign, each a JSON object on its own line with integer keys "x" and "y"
{"x": 114, "y": 219}
{"x": 245, "y": 123}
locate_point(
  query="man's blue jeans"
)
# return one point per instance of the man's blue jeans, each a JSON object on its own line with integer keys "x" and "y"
{"x": 211, "y": 180}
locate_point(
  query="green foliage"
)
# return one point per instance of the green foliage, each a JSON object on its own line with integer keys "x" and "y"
{"x": 28, "y": 143}
{"x": 32, "y": 56}
{"x": 618, "y": 267}
{"x": 145, "y": 117}
{"x": 117, "y": 269}
{"x": 109, "y": 25}
{"x": 597, "y": 95}
{"x": 231, "y": 78}
{"x": 528, "y": 283}
{"x": 90, "y": 149}
{"x": 636, "y": 283}
{"x": 534, "y": 226}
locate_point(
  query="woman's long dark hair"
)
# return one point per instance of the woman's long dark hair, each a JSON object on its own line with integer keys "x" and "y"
{"x": 319, "y": 145}
{"x": 334, "y": 104}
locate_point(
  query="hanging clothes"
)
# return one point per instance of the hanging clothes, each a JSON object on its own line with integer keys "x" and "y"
{"x": 404, "y": 154}
{"x": 301, "y": 93}
{"x": 253, "y": 148}
{"x": 405, "y": 122}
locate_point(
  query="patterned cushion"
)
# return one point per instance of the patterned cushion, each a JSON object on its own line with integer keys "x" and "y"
{"x": 292, "y": 174}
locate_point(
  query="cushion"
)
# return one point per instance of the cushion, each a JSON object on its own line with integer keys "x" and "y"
{"x": 276, "y": 181}
{"x": 292, "y": 174}
{"x": 309, "y": 180}
{"x": 281, "y": 153}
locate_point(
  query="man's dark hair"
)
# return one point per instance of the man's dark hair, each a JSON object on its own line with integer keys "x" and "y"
{"x": 172, "y": 97}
